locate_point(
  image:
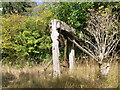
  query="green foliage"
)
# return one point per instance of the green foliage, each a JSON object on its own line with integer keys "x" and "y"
{"x": 34, "y": 39}
{"x": 15, "y": 7}
{"x": 10, "y": 26}
{"x": 75, "y": 14}
{"x": 26, "y": 38}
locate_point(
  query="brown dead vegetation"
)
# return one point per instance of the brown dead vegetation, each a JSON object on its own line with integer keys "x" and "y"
{"x": 85, "y": 75}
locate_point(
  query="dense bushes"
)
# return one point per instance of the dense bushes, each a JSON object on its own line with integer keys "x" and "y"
{"x": 26, "y": 38}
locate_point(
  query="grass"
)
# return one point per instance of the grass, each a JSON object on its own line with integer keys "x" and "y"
{"x": 84, "y": 76}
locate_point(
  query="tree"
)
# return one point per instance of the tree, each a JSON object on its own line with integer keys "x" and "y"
{"x": 102, "y": 37}
{"x": 26, "y": 39}
{"x": 15, "y": 7}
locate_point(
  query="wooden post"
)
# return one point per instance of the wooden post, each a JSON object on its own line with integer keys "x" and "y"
{"x": 65, "y": 50}
{"x": 71, "y": 57}
{"x": 55, "y": 49}
{"x": 65, "y": 63}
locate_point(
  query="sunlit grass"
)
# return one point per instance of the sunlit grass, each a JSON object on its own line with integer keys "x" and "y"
{"x": 83, "y": 76}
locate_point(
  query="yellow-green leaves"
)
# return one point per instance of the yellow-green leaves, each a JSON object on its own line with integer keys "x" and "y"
{"x": 107, "y": 9}
{"x": 25, "y": 36}
{"x": 101, "y": 7}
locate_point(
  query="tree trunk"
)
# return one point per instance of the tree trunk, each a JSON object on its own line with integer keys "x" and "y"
{"x": 55, "y": 49}
{"x": 71, "y": 57}
{"x": 104, "y": 69}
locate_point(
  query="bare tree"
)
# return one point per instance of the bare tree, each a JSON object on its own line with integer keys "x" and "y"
{"x": 101, "y": 38}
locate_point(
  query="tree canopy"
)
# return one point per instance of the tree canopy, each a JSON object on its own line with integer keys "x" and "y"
{"x": 15, "y": 7}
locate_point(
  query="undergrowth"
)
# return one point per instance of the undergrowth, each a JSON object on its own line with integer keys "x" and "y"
{"x": 83, "y": 76}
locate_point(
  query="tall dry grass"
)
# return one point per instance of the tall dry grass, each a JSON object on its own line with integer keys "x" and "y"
{"x": 83, "y": 76}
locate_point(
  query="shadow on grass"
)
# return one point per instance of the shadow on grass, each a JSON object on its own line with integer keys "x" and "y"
{"x": 27, "y": 80}
{"x": 66, "y": 81}
{"x": 7, "y": 78}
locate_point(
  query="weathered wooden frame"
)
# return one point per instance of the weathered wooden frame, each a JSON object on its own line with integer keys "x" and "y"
{"x": 56, "y": 25}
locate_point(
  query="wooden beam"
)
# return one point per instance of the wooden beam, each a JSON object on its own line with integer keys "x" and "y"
{"x": 65, "y": 63}
{"x": 63, "y": 26}
{"x": 81, "y": 48}
{"x": 47, "y": 65}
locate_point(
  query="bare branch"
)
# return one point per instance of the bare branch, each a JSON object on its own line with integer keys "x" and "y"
{"x": 87, "y": 40}
{"x": 84, "y": 50}
{"x": 113, "y": 47}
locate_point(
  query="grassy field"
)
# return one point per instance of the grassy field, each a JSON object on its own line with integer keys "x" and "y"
{"x": 84, "y": 76}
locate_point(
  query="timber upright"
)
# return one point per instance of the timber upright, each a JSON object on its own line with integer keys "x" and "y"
{"x": 55, "y": 49}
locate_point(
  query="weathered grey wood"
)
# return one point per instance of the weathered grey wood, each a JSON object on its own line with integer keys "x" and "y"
{"x": 55, "y": 49}
{"x": 104, "y": 69}
{"x": 63, "y": 26}
{"x": 48, "y": 64}
{"x": 56, "y": 25}
{"x": 71, "y": 57}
